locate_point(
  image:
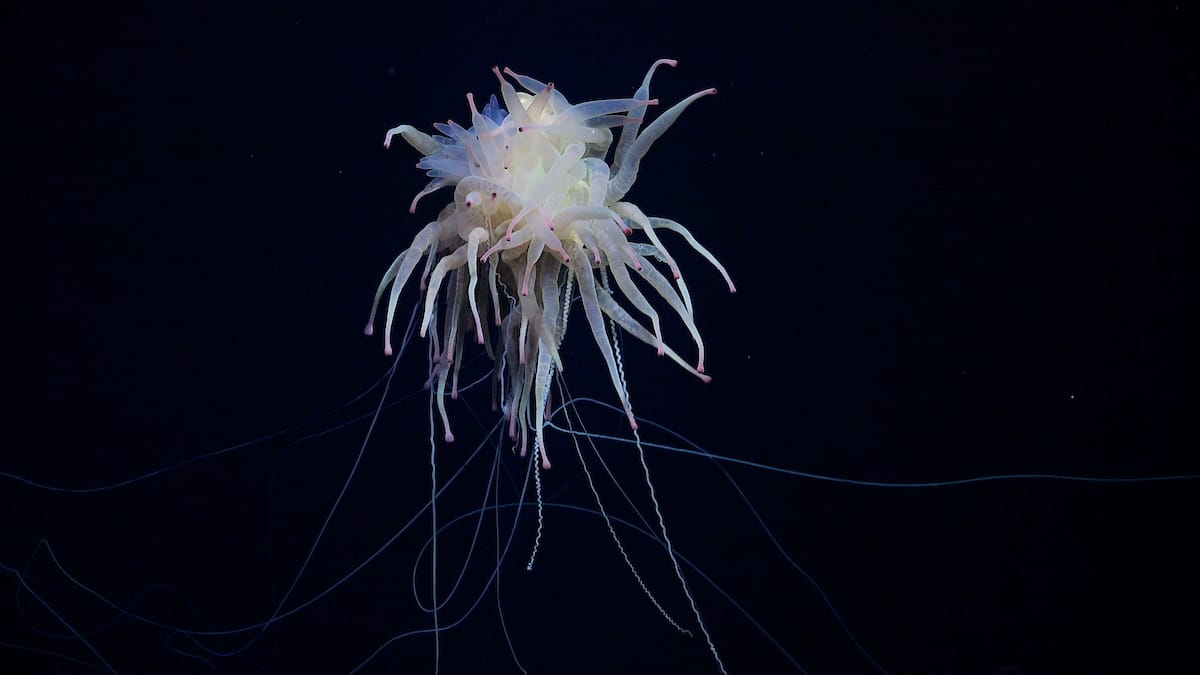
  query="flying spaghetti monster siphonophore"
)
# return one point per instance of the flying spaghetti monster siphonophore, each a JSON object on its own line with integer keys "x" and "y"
{"x": 538, "y": 209}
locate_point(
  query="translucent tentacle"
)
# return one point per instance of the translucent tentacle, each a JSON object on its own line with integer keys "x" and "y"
{"x": 621, "y": 183}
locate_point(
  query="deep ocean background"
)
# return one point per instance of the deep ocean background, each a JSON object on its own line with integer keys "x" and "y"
{"x": 963, "y": 239}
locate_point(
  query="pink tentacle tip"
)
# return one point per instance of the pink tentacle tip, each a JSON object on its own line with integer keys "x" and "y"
{"x": 710, "y": 91}
{"x": 705, "y": 378}
{"x": 545, "y": 464}
{"x": 449, "y": 436}
{"x": 387, "y": 349}
{"x": 369, "y": 330}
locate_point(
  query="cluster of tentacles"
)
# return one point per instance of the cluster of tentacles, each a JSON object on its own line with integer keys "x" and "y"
{"x": 538, "y": 211}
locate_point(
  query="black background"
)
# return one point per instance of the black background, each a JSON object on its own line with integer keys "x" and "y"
{"x": 958, "y": 236}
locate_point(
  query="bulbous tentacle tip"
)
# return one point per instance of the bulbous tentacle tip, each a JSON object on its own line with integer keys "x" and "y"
{"x": 369, "y": 330}
{"x": 545, "y": 464}
{"x": 387, "y": 350}
{"x": 705, "y": 378}
{"x": 449, "y": 436}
